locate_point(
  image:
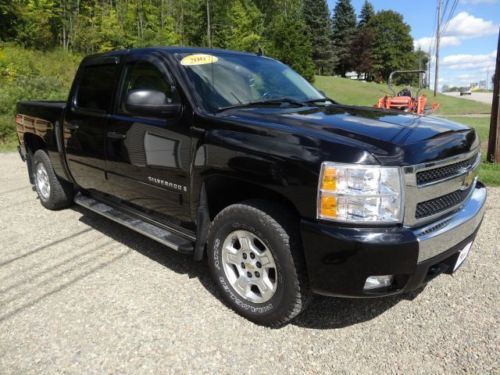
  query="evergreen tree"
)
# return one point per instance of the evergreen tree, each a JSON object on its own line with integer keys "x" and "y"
{"x": 361, "y": 47}
{"x": 393, "y": 45}
{"x": 245, "y": 26}
{"x": 317, "y": 18}
{"x": 289, "y": 43}
{"x": 344, "y": 31}
{"x": 367, "y": 12}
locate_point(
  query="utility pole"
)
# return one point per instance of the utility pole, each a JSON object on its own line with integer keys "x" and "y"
{"x": 494, "y": 138}
{"x": 488, "y": 78}
{"x": 438, "y": 37}
{"x": 209, "y": 27}
{"x": 429, "y": 64}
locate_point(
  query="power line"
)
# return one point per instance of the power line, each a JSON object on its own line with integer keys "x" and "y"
{"x": 450, "y": 15}
{"x": 445, "y": 7}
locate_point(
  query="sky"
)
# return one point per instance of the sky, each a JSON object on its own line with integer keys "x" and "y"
{"x": 468, "y": 44}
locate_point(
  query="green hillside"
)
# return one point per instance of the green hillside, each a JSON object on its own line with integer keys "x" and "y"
{"x": 367, "y": 93}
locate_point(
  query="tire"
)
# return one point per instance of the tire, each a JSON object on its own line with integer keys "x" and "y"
{"x": 282, "y": 292}
{"x": 54, "y": 193}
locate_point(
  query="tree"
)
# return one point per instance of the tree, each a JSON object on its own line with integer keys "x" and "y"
{"x": 361, "y": 47}
{"x": 344, "y": 31}
{"x": 317, "y": 19}
{"x": 367, "y": 12}
{"x": 36, "y": 27}
{"x": 361, "y": 52}
{"x": 288, "y": 42}
{"x": 392, "y": 47}
{"x": 9, "y": 16}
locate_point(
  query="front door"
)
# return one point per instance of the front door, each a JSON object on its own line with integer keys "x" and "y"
{"x": 149, "y": 156}
{"x": 86, "y": 123}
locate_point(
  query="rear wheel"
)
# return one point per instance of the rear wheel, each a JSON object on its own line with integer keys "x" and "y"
{"x": 256, "y": 259}
{"x": 53, "y": 192}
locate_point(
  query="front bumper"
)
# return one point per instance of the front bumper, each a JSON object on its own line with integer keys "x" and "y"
{"x": 340, "y": 258}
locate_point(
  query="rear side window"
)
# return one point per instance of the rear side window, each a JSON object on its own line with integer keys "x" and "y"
{"x": 96, "y": 87}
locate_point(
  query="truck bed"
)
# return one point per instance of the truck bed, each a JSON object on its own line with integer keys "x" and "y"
{"x": 48, "y": 110}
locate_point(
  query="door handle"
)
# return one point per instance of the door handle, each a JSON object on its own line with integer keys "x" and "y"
{"x": 72, "y": 126}
{"x": 115, "y": 135}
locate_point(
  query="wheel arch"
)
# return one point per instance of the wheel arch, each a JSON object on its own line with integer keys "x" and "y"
{"x": 218, "y": 192}
{"x": 223, "y": 191}
{"x": 32, "y": 144}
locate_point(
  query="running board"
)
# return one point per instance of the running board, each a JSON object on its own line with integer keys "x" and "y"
{"x": 154, "y": 232}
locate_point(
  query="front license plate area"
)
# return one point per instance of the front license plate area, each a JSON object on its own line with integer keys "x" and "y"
{"x": 462, "y": 255}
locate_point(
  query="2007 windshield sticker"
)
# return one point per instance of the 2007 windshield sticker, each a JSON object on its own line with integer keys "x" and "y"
{"x": 198, "y": 59}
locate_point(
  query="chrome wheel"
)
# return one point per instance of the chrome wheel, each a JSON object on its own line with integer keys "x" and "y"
{"x": 42, "y": 181}
{"x": 249, "y": 266}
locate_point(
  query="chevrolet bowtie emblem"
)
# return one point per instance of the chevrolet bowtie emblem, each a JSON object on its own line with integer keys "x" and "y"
{"x": 468, "y": 180}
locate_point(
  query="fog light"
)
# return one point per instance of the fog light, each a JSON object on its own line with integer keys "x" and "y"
{"x": 375, "y": 282}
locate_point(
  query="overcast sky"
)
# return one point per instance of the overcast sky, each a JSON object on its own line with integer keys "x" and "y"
{"x": 469, "y": 43}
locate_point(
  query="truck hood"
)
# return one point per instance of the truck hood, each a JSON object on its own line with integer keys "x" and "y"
{"x": 391, "y": 137}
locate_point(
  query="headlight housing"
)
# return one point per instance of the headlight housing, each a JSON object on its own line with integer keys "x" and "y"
{"x": 353, "y": 193}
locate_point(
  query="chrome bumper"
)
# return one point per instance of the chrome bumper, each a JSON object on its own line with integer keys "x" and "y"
{"x": 442, "y": 235}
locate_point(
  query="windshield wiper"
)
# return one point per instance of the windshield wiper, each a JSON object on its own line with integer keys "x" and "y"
{"x": 263, "y": 102}
{"x": 320, "y": 100}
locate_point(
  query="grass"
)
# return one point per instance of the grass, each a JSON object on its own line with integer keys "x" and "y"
{"x": 489, "y": 173}
{"x": 8, "y": 146}
{"x": 27, "y": 75}
{"x": 367, "y": 93}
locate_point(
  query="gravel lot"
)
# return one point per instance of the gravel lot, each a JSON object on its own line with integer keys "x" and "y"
{"x": 80, "y": 294}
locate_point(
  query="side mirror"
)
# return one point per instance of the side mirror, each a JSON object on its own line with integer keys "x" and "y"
{"x": 150, "y": 102}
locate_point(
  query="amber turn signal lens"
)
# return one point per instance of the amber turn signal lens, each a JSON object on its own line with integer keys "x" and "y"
{"x": 329, "y": 179}
{"x": 328, "y": 206}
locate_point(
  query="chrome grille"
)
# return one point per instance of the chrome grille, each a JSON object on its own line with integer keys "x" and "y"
{"x": 441, "y": 173}
{"x": 435, "y": 189}
{"x": 440, "y": 204}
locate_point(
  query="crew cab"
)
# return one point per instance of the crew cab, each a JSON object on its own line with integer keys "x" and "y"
{"x": 235, "y": 158}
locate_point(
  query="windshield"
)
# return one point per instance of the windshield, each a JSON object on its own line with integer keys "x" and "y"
{"x": 226, "y": 80}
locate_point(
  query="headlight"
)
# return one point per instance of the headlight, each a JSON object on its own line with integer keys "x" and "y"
{"x": 359, "y": 194}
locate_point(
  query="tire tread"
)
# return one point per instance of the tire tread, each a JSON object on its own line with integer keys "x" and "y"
{"x": 285, "y": 224}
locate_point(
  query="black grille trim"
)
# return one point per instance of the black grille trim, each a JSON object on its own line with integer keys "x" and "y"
{"x": 441, "y": 173}
{"x": 440, "y": 204}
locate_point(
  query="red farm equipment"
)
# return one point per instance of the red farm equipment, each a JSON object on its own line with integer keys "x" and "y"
{"x": 404, "y": 100}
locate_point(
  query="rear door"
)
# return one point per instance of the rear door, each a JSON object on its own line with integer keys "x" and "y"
{"x": 149, "y": 156}
{"x": 86, "y": 122}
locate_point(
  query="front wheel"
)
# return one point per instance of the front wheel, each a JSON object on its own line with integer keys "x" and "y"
{"x": 256, "y": 259}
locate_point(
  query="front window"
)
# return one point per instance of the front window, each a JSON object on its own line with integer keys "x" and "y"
{"x": 225, "y": 80}
{"x": 145, "y": 76}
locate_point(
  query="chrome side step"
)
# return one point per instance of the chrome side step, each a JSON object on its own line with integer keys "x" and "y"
{"x": 154, "y": 232}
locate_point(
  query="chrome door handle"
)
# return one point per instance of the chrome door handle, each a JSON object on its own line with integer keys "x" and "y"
{"x": 115, "y": 135}
{"x": 72, "y": 126}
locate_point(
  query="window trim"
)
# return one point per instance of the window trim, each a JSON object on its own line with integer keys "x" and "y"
{"x": 98, "y": 62}
{"x": 156, "y": 63}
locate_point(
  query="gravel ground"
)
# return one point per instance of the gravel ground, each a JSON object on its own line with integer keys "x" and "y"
{"x": 80, "y": 294}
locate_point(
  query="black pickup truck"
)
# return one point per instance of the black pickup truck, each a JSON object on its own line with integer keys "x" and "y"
{"x": 235, "y": 158}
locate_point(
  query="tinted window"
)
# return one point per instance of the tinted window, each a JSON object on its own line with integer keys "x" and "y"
{"x": 145, "y": 76}
{"x": 231, "y": 79}
{"x": 96, "y": 87}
